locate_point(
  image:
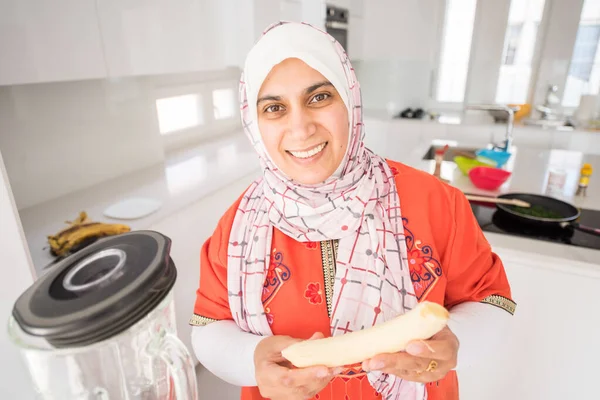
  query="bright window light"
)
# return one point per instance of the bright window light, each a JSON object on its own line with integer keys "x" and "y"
{"x": 179, "y": 112}
{"x": 584, "y": 72}
{"x": 519, "y": 45}
{"x": 456, "y": 49}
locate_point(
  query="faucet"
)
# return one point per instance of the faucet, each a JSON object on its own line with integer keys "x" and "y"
{"x": 508, "y": 138}
{"x": 547, "y": 110}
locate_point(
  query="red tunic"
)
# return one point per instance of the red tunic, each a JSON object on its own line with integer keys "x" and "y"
{"x": 450, "y": 262}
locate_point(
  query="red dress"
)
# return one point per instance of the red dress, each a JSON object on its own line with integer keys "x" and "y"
{"x": 449, "y": 258}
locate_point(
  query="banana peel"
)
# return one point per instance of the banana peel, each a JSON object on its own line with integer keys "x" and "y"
{"x": 80, "y": 232}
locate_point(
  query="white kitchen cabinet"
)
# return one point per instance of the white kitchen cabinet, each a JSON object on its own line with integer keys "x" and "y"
{"x": 188, "y": 229}
{"x": 552, "y": 350}
{"x": 46, "y": 41}
{"x": 291, "y": 11}
{"x": 357, "y": 8}
{"x": 144, "y": 37}
{"x": 340, "y": 3}
{"x": 355, "y": 38}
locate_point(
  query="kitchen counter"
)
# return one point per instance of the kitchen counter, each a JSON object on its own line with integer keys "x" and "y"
{"x": 185, "y": 177}
{"x": 188, "y": 176}
{"x": 529, "y": 165}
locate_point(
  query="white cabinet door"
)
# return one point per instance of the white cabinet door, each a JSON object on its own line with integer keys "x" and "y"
{"x": 291, "y": 11}
{"x": 188, "y": 229}
{"x": 552, "y": 350}
{"x": 45, "y": 41}
{"x": 357, "y": 8}
{"x": 355, "y": 38}
{"x": 340, "y": 3}
{"x": 144, "y": 37}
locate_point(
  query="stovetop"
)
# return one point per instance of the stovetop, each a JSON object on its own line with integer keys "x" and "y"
{"x": 490, "y": 220}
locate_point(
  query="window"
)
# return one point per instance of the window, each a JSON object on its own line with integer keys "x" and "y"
{"x": 519, "y": 45}
{"x": 584, "y": 72}
{"x": 456, "y": 49}
{"x": 179, "y": 112}
{"x": 513, "y": 34}
{"x": 224, "y": 105}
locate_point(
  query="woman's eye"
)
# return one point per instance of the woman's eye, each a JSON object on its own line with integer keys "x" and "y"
{"x": 273, "y": 109}
{"x": 319, "y": 97}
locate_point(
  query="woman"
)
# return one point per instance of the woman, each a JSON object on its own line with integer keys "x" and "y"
{"x": 334, "y": 239}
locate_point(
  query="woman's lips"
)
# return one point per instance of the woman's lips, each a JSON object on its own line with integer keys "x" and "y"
{"x": 310, "y": 153}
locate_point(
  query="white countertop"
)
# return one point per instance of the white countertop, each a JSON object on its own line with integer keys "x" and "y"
{"x": 188, "y": 176}
{"x": 185, "y": 177}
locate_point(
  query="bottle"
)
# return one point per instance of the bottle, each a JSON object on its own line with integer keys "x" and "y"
{"x": 439, "y": 157}
{"x": 584, "y": 179}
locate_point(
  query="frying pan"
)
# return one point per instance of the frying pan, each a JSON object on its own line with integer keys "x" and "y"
{"x": 568, "y": 212}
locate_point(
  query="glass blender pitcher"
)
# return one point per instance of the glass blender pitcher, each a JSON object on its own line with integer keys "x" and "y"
{"x": 100, "y": 325}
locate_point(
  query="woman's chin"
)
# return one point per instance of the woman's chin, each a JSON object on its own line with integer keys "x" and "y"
{"x": 309, "y": 175}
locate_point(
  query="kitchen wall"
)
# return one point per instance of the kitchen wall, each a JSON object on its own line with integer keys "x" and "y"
{"x": 401, "y": 42}
{"x": 61, "y": 137}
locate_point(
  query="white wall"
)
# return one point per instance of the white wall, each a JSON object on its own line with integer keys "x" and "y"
{"x": 61, "y": 137}
{"x": 17, "y": 273}
{"x": 486, "y": 50}
{"x": 556, "y": 46}
{"x": 401, "y": 41}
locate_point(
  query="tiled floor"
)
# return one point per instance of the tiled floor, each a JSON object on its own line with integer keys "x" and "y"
{"x": 212, "y": 388}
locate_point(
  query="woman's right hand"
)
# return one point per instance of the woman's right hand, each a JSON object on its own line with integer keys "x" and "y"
{"x": 277, "y": 379}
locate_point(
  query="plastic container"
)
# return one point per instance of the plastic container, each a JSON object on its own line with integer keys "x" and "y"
{"x": 500, "y": 157}
{"x": 466, "y": 164}
{"x": 488, "y": 178}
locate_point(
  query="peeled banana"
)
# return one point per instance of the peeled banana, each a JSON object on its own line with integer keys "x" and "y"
{"x": 80, "y": 232}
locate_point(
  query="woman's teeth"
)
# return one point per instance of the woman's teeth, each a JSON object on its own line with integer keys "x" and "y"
{"x": 309, "y": 153}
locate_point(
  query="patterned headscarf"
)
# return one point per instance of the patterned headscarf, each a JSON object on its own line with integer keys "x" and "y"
{"x": 358, "y": 205}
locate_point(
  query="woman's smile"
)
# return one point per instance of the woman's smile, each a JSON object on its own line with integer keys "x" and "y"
{"x": 309, "y": 155}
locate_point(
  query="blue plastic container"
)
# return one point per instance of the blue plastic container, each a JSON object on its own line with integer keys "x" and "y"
{"x": 499, "y": 156}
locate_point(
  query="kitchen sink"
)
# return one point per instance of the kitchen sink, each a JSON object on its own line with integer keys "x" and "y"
{"x": 450, "y": 153}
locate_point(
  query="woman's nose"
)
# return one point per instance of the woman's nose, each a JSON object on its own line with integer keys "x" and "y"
{"x": 302, "y": 124}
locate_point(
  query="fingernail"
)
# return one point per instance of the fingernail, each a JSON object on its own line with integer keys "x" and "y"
{"x": 414, "y": 349}
{"x": 338, "y": 370}
{"x": 375, "y": 365}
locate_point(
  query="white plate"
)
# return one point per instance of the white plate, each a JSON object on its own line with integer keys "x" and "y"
{"x": 133, "y": 208}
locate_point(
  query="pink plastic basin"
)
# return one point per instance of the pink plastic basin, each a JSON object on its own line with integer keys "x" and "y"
{"x": 488, "y": 178}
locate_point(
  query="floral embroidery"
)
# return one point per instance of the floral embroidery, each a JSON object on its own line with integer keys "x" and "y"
{"x": 311, "y": 245}
{"x": 425, "y": 270}
{"x": 276, "y": 276}
{"x": 269, "y": 315}
{"x": 313, "y": 293}
{"x": 394, "y": 170}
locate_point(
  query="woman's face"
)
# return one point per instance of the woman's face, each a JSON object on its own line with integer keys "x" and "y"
{"x": 303, "y": 122}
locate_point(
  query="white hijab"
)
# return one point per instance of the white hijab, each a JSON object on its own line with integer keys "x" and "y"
{"x": 358, "y": 205}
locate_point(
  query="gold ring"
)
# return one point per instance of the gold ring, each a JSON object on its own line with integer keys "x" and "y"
{"x": 432, "y": 366}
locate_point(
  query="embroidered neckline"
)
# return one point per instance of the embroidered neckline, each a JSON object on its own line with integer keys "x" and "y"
{"x": 329, "y": 251}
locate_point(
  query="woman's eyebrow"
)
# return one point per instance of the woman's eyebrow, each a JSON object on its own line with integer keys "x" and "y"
{"x": 308, "y": 90}
{"x": 316, "y": 86}
{"x": 267, "y": 98}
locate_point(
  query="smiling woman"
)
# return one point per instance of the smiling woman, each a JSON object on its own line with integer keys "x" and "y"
{"x": 320, "y": 245}
{"x": 303, "y": 122}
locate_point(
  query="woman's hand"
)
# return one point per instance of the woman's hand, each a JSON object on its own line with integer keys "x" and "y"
{"x": 278, "y": 380}
{"x": 424, "y": 361}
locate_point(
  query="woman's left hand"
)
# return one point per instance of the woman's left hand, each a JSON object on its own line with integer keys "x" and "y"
{"x": 423, "y": 361}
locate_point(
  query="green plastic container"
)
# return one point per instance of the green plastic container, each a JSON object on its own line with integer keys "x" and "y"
{"x": 466, "y": 164}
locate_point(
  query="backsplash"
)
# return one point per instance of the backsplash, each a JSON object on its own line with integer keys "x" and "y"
{"x": 57, "y": 138}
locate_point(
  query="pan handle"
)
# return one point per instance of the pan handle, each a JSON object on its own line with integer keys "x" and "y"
{"x": 586, "y": 229}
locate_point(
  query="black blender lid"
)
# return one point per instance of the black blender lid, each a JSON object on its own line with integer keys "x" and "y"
{"x": 99, "y": 291}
